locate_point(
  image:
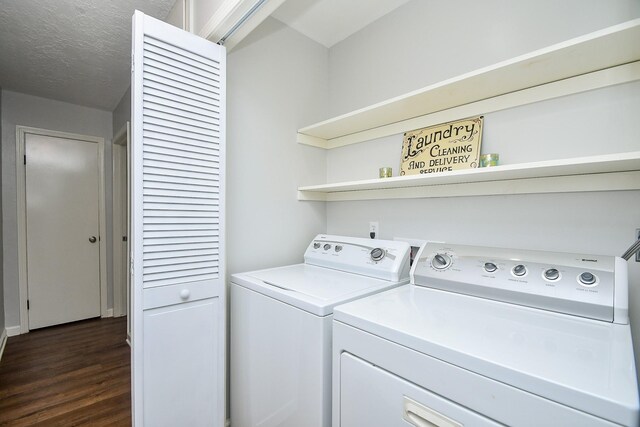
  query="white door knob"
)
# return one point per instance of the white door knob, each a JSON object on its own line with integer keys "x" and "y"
{"x": 184, "y": 294}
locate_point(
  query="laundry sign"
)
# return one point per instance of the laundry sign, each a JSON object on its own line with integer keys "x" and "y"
{"x": 440, "y": 148}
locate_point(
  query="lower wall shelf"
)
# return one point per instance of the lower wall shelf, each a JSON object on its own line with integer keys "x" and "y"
{"x": 611, "y": 172}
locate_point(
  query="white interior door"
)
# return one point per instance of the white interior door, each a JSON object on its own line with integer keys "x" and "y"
{"x": 62, "y": 218}
{"x": 177, "y": 239}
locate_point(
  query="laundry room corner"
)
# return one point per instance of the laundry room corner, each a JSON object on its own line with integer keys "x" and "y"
{"x": 277, "y": 81}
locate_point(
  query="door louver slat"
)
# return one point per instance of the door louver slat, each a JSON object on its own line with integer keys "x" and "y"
{"x": 161, "y": 84}
{"x": 183, "y": 99}
{"x": 153, "y": 42}
{"x": 167, "y": 146}
{"x": 167, "y": 125}
{"x": 179, "y": 261}
{"x": 179, "y": 233}
{"x": 163, "y": 220}
{"x": 176, "y": 268}
{"x": 180, "y": 199}
{"x": 179, "y": 227}
{"x": 180, "y": 254}
{"x": 170, "y": 172}
{"x": 198, "y": 137}
{"x": 193, "y": 120}
{"x": 162, "y": 81}
{"x": 171, "y": 162}
{"x": 179, "y": 155}
{"x": 179, "y": 247}
{"x": 175, "y": 112}
{"x": 152, "y": 96}
{"x": 166, "y": 67}
{"x": 169, "y": 61}
{"x": 156, "y": 181}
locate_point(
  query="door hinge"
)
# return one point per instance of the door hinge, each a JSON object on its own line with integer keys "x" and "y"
{"x": 27, "y": 304}
{"x": 25, "y": 159}
{"x": 124, "y": 238}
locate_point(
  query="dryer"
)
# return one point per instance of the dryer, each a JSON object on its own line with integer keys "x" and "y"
{"x": 487, "y": 336}
{"x": 280, "y": 319}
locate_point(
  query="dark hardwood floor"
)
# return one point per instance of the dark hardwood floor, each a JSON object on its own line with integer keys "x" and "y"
{"x": 69, "y": 375}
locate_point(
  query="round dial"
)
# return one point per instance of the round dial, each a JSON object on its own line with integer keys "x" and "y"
{"x": 377, "y": 254}
{"x": 316, "y": 245}
{"x": 551, "y": 274}
{"x": 490, "y": 267}
{"x": 519, "y": 270}
{"x": 587, "y": 278}
{"x": 440, "y": 261}
{"x": 326, "y": 246}
{"x": 338, "y": 248}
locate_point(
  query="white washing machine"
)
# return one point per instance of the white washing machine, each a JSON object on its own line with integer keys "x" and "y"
{"x": 280, "y": 343}
{"x": 486, "y": 337}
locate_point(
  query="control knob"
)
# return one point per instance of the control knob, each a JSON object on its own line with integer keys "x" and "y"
{"x": 440, "y": 261}
{"x": 326, "y": 246}
{"x": 490, "y": 267}
{"x": 552, "y": 274}
{"x": 337, "y": 248}
{"x": 377, "y": 254}
{"x": 587, "y": 278}
{"x": 316, "y": 245}
{"x": 519, "y": 270}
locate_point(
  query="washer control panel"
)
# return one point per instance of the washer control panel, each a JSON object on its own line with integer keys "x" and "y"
{"x": 383, "y": 259}
{"x": 576, "y": 284}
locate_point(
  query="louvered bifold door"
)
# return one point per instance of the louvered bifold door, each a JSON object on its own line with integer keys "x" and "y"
{"x": 177, "y": 219}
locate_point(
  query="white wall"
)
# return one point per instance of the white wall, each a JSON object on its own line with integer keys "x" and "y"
{"x": 427, "y": 41}
{"x": 122, "y": 112}
{"x": 201, "y": 11}
{"x": 27, "y": 110}
{"x": 176, "y": 15}
{"x": 277, "y": 81}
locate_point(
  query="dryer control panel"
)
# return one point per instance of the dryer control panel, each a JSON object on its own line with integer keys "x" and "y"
{"x": 591, "y": 286}
{"x": 382, "y": 259}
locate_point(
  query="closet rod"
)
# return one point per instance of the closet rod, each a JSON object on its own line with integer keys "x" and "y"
{"x": 242, "y": 20}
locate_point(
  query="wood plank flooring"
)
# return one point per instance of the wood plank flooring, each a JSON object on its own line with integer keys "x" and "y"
{"x": 76, "y": 374}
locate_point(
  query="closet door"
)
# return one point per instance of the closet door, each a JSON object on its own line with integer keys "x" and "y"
{"x": 177, "y": 245}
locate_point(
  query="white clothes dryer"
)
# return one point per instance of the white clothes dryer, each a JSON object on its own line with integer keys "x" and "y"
{"x": 280, "y": 319}
{"x": 486, "y": 337}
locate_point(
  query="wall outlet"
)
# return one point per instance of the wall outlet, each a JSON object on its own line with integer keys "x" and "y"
{"x": 374, "y": 229}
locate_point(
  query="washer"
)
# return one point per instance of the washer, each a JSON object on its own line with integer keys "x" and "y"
{"x": 280, "y": 341}
{"x": 486, "y": 337}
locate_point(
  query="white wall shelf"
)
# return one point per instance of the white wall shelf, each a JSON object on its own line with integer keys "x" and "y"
{"x": 599, "y": 59}
{"x": 620, "y": 171}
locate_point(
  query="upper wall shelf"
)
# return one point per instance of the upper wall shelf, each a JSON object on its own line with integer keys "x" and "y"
{"x": 620, "y": 171}
{"x": 599, "y": 59}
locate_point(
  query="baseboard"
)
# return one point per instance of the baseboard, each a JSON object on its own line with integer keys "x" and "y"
{"x": 12, "y": 331}
{"x": 3, "y": 342}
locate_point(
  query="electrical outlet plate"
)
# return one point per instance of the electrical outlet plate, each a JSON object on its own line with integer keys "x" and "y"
{"x": 374, "y": 228}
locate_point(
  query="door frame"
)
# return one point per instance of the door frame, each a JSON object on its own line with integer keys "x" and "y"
{"x": 120, "y": 146}
{"x": 21, "y": 134}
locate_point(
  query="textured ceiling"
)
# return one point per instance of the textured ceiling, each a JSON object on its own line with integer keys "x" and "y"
{"x": 331, "y": 21}
{"x": 71, "y": 50}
